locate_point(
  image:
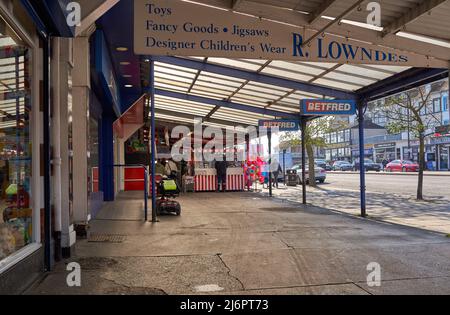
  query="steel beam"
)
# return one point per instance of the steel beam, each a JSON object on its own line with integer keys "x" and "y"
{"x": 336, "y": 20}
{"x": 235, "y": 4}
{"x": 401, "y": 82}
{"x": 227, "y": 104}
{"x": 317, "y": 14}
{"x": 411, "y": 15}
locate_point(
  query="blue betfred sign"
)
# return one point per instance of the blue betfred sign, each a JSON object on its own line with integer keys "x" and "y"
{"x": 318, "y": 107}
{"x": 282, "y": 125}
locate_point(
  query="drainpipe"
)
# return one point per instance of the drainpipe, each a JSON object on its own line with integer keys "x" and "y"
{"x": 56, "y": 134}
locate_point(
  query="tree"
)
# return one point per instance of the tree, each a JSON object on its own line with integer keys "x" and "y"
{"x": 412, "y": 111}
{"x": 314, "y": 137}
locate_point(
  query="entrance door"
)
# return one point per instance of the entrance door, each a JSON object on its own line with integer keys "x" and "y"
{"x": 444, "y": 158}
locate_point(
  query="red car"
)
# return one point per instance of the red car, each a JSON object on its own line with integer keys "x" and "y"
{"x": 402, "y": 166}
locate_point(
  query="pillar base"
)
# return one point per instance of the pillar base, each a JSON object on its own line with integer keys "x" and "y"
{"x": 81, "y": 230}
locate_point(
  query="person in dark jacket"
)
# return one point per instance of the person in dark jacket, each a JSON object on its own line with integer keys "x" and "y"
{"x": 221, "y": 168}
{"x": 276, "y": 173}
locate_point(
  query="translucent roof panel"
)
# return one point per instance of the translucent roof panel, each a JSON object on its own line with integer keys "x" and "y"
{"x": 297, "y": 67}
{"x": 364, "y": 71}
{"x": 339, "y": 85}
{"x": 244, "y": 64}
{"x": 348, "y": 78}
{"x": 286, "y": 73}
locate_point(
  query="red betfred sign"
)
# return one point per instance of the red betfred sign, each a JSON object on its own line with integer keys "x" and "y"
{"x": 319, "y": 107}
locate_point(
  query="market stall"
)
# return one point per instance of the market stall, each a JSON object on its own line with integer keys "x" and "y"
{"x": 206, "y": 179}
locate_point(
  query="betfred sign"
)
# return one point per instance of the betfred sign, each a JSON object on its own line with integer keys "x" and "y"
{"x": 316, "y": 107}
{"x": 282, "y": 125}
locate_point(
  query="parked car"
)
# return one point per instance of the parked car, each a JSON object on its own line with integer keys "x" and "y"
{"x": 321, "y": 174}
{"x": 402, "y": 166}
{"x": 342, "y": 166}
{"x": 323, "y": 164}
{"x": 369, "y": 165}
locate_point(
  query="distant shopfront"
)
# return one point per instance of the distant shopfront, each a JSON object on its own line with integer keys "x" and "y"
{"x": 441, "y": 148}
{"x": 385, "y": 151}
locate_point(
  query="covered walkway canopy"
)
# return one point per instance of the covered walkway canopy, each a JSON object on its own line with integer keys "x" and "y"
{"x": 227, "y": 91}
{"x": 241, "y": 91}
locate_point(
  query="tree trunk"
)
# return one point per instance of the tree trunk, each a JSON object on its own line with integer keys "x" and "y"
{"x": 312, "y": 173}
{"x": 421, "y": 167}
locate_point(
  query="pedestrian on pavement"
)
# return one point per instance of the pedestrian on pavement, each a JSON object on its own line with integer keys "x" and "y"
{"x": 276, "y": 173}
{"x": 384, "y": 162}
{"x": 221, "y": 168}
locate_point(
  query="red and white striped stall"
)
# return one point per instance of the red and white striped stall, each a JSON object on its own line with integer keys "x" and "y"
{"x": 205, "y": 179}
{"x": 235, "y": 179}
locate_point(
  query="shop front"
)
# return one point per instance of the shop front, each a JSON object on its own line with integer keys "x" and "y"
{"x": 368, "y": 152}
{"x": 21, "y": 254}
{"x": 441, "y": 146}
{"x": 385, "y": 151}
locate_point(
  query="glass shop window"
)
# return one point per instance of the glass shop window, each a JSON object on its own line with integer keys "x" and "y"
{"x": 15, "y": 145}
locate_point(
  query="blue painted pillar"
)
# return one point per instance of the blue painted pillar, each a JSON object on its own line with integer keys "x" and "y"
{"x": 303, "y": 130}
{"x": 107, "y": 157}
{"x": 153, "y": 139}
{"x": 362, "y": 169}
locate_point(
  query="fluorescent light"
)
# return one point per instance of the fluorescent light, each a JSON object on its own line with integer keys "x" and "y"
{"x": 128, "y": 85}
{"x": 124, "y": 63}
{"x": 122, "y": 49}
{"x": 424, "y": 39}
{"x": 127, "y": 76}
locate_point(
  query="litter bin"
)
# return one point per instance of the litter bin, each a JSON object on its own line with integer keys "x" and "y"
{"x": 291, "y": 178}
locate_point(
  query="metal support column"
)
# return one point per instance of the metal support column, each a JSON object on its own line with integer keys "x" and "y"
{"x": 46, "y": 154}
{"x": 303, "y": 130}
{"x": 153, "y": 139}
{"x": 362, "y": 169}
{"x": 284, "y": 167}
{"x": 269, "y": 136}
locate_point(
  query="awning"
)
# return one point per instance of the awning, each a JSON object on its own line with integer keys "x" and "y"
{"x": 132, "y": 120}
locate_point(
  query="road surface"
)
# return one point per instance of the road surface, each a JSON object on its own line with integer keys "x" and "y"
{"x": 434, "y": 186}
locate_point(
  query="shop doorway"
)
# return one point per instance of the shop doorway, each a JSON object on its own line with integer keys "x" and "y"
{"x": 444, "y": 158}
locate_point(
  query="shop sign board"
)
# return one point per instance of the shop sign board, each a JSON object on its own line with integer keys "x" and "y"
{"x": 281, "y": 124}
{"x": 440, "y": 140}
{"x": 318, "y": 107}
{"x": 442, "y": 129}
{"x": 181, "y": 28}
{"x": 384, "y": 145}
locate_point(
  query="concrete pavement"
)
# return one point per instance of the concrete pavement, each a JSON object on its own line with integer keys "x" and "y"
{"x": 244, "y": 243}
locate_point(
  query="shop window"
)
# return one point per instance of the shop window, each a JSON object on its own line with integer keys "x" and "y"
{"x": 436, "y": 105}
{"x": 15, "y": 145}
{"x": 347, "y": 135}
{"x": 341, "y": 137}
{"x": 423, "y": 109}
{"x": 333, "y": 137}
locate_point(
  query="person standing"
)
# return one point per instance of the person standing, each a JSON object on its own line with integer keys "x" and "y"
{"x": 171, "y": 168}
{"x": 384, "y": 162}
{"x": 221, "y": 168}
{"x": 276, "y": 173}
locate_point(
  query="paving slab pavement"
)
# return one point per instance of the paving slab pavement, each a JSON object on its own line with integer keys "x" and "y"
{"x": 246, "y": 243}
{"x": 431, "y": 214}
